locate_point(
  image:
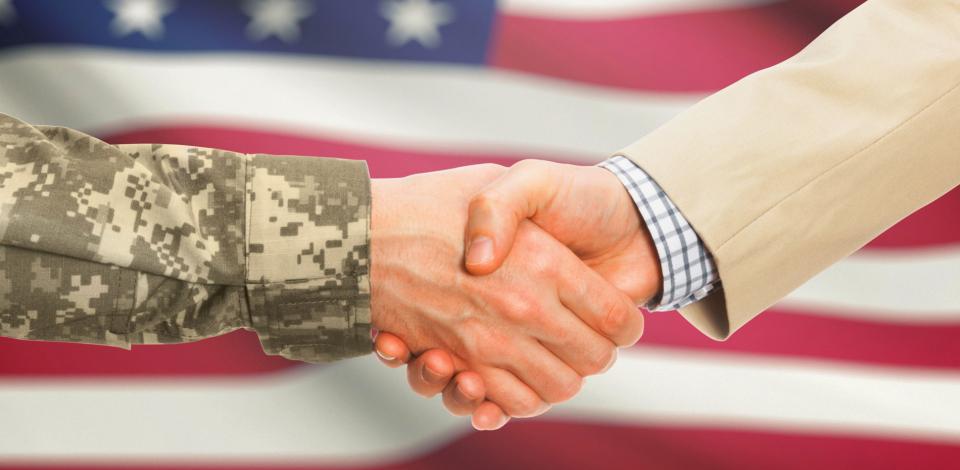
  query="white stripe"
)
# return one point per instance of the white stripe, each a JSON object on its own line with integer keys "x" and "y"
{"x": 434, "y": 107}
{"x": 704, "y": 388}
{"x": 359, "y": 412}
{"x": 908, "y": 286}
{"x": 610, "y": 9}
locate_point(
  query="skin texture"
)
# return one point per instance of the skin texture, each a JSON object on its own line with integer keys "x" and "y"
{"x": 587, "y": 209}
{"x": 529, "y": 332}
{"x": 584, "y": 207}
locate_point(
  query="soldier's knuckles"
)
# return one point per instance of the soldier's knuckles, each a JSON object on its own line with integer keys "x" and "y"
{"x": 482, "y": 342}
{"x": 495, "y": 347}
{"x": 470, "y": 331}
{"x": 526, "y": 405}
{"x": 489, "y": 169}
{"x": 522, "y": 308}
{"x": 529, "y": 165}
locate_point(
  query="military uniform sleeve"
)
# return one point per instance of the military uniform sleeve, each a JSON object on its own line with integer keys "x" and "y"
{"x": 145, "y": 244}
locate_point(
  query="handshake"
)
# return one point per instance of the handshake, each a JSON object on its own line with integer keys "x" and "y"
{"x": 506, "y": 287}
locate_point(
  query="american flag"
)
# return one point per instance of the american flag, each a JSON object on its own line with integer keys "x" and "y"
{"x": 859, "y": 367}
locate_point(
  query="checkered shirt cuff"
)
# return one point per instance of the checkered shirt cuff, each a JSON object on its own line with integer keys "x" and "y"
{"x": 689, "y": 272}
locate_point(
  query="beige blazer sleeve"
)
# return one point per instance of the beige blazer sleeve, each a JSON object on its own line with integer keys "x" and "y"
{"x": 797, "y": 166}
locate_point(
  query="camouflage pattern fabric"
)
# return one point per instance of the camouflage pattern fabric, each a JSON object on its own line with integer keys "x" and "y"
{"x": 138, "y": 244}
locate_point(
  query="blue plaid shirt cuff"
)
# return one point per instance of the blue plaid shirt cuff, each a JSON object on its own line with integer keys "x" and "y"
{"x": 689, "y": 272}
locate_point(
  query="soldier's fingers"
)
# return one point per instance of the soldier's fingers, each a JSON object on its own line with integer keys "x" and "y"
{"x": 464, "y": 393}
{"x": 489, "y": 417}
{"x": 391, "y": 350}
{"x": 430, "y": 372}
{"x": 512, "y": 395}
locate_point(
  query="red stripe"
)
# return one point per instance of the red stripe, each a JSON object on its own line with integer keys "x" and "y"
{"x": 689, "y": 52}
{"x": 773, "y": 333}
{"x": 384, "y": 162}
{"x": 540, "y": 444}
{"x": 571, "y": 445}
{"x": 937, "y": 224}
{"x": 237, "y": 353}
{"x": 778, "y": 332}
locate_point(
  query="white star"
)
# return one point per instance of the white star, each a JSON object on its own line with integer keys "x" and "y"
{"x": 139, "y": 16}
{"x": 278, "y": 18}
{"x": 7, "y": 13}
{"x": 415, "y": 20}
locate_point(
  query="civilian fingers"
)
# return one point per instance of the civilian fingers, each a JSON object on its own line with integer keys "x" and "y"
{"x": 579, "y": 346}
{"x": 601, "y": 306}
{"x": 391, "y": 350}
{"x": 611, "y": 361}
{"x": 430, "y": 373}
{"x": 513, "y": 396}
{"x": 551, "y": 378}
{"x": 464, "y": 393}
{"x": 489, "y": 417}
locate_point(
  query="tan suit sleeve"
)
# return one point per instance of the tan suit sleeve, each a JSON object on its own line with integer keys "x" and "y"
{"x": 795, "y": 167}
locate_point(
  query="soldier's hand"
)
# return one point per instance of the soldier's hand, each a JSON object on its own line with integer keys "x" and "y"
{"x": 435, "y": 372}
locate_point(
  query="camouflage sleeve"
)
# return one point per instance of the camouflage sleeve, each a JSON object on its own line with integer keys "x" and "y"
{"x": 140, "y": 244}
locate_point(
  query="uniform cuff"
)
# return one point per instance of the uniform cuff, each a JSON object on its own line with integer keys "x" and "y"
{"x": 307, "y": 256}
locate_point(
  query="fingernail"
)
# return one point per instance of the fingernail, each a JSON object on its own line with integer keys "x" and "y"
{"x": 466, "y": 397}
{"x": 431, "y": 376}
{"x": 494, "y": 426}
{"x": 480, "y": 251}
{"x": 483, "y": 425}
{"x": 616, "y": 352}
{"x": 384, "y": 356}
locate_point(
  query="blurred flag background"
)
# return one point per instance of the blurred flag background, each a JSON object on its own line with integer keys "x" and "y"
{"x": 861, "y": 366}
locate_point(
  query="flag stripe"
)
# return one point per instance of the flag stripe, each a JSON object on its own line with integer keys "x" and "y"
{"x": 384, "y": 161}
{"x": 699, "y": 51}
{"x": 571, "y": 445}
{"x": 437, "y": 108}
{"x": 615, "y": 9}
{"x": 876, "y": 282}
{"x": 277, "y": 418}
{"x": 782, "y": 332}
{"x": 935, "y": 224}
{"x": 232, "y": 354}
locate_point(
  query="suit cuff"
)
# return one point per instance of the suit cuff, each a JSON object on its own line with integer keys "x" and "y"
{"x": 307, "y": 252}
{"x": 689, "y": 272}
